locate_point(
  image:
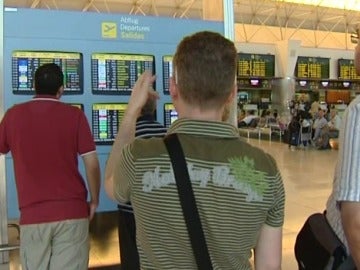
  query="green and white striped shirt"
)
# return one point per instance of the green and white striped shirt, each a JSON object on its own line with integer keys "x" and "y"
{"x": 346, "y": 185}
{"x": 237, "y": 187}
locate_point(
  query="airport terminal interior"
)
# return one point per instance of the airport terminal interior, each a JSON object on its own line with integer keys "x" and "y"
{"x": 306, "y": 171}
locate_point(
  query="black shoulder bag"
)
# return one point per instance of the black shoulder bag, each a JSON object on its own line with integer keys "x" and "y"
{"x": 317, "y": 247}
{"x": 188, "y": 203}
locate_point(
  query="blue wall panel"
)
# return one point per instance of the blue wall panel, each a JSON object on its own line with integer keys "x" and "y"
{"x": 29, "y": 29}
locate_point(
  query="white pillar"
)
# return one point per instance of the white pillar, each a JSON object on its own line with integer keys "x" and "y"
{"x": 4, "y": 256}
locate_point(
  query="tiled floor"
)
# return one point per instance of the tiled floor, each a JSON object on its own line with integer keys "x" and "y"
{"x": 307, "y": 177}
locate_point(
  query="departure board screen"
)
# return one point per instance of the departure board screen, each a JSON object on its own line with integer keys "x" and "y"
{"x": 25, "y": 63}
{"x": 312, "y": 67}
{"x": 106, "y": 118}
{"x": 255, "y": 65}
{"x": 346, "y": 70}
{"x": 167, "y": 72}
{"x": 170, "y": 114}
{"x": 114, "y": 74}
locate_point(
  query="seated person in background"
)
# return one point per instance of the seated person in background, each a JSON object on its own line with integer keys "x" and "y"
{"x": 264, "y": 118}
{"x": 334, "y": 124}
{"x": 241, "y": 114}
{"x": 321, "y": 133}
{"x": 248, "y": 119}
{"x": 319, "y": 123}
{"x": 274, "y": 118}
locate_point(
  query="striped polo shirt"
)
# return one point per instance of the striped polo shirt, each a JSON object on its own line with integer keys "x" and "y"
{"x": 346, "y": 185}
{"x": 147, "y": 127}
{"x": 237, "y": 188}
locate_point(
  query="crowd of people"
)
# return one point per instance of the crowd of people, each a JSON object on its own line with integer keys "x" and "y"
{"x": 313, "y": 125}
{"x": 309, "y": 125}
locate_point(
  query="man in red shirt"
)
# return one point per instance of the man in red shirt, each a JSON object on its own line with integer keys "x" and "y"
{"x": 45, "y": 138}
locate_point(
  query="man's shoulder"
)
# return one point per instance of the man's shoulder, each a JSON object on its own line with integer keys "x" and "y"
{"x": 16, "y": 109}
{"x": 143, "y": 147}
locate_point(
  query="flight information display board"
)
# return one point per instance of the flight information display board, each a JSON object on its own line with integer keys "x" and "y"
{"x": 312, "y": 67}
{"x": 255, "y": 65}
{"x": 25, "y": 63}
{"x": 114, "y": 74}
{"x": 170, "y": 114}
{"x": 167, "y": 72}
{"x": 106, "y": 118}
{"x": 346, "y": 70}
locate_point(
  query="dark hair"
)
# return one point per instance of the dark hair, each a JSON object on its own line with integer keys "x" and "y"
{"x": 48, "y": 79}
{"x": 149, "y": 107}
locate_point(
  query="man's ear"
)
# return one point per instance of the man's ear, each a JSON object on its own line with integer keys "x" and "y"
{"x": 233, "y": 94}
{"x": 174, "y": 93}
{"x": 60, "y": 92}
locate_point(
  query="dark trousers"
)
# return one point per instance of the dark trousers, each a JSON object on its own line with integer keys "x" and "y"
{"x": 127, "y": 241}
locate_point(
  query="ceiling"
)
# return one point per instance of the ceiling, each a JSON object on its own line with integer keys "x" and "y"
{"x": 256, "y": 12}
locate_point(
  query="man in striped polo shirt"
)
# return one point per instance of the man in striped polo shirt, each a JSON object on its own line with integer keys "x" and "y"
{"x": 238, "y": 189}
{"x": 343, "y": 205}
{"x": 146, "y": 127}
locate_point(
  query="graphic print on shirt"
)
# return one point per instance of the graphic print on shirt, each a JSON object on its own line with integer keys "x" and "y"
{"x": 240, "y": 175}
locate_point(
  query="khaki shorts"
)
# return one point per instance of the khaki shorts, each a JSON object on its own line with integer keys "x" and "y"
{"x": 55, "y": 245}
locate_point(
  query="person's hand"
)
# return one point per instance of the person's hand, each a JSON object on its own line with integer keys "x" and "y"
{"x": 141, "y": 92}
{"x": 92, "y": 209}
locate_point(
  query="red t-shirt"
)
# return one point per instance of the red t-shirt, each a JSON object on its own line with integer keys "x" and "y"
{"x": 45, "y": 137}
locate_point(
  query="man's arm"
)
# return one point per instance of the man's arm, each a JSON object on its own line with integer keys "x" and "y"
{"x": 268, "y": 250}
{"x": 126, "y": 133}
{"x": 92, "y": 170}
{"x": 350, "y": 216}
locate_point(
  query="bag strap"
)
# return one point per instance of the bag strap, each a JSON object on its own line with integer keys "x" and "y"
{"x": 348, "y": 263}
{"x": 188, "y": 203}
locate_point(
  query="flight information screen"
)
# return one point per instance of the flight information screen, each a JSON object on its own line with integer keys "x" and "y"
{"x": 25, "y": 63}
{"x": 116, "y": 74}
{"x": 312, "y": 67}
{"x": 170, "y": 114}
{"x": 167, "y": 72}
{"x": 106, "y": 118}
{"x": 255, "y": 65}
{"x": 346, "y": 70}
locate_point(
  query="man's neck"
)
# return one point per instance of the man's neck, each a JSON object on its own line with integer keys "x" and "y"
{"x": 196, "y": 113}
